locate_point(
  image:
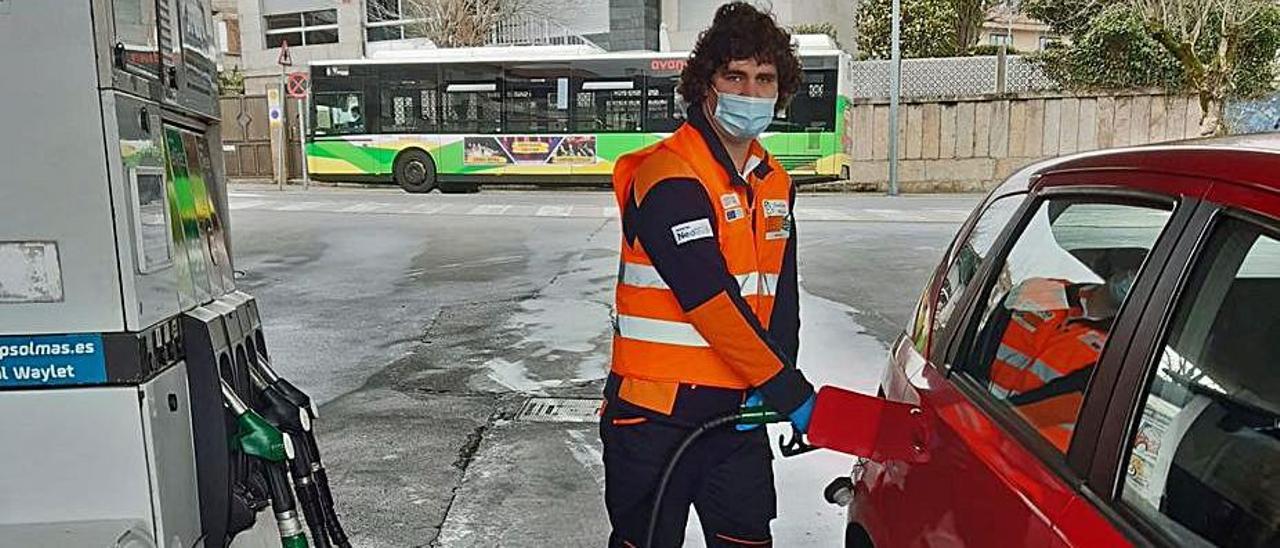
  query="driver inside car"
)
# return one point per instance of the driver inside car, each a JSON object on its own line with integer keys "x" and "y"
{"x": 1055, "y": 332}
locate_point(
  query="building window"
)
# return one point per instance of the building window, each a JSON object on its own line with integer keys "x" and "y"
{"x": 388, "y": 20}
{"x": 306, "y": 28}
{"x": 1047, "y": 42}
{"x": 999, "y": 39}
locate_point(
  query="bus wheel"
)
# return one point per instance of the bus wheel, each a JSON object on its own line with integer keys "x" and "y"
{"x": 415, "y": 171}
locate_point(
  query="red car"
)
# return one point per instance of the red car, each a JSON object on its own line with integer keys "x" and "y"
{"x": 1096, "y": 362}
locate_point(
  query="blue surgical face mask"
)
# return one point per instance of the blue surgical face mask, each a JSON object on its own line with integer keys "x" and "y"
{"x": 744, "y": 117}
{"x": 1120, "y": 288}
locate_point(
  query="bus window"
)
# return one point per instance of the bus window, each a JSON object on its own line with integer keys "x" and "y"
{"x": 814, "y": 106}
{"x": 339, "y": 113}
{"x": 663, "y": 109}
{"x": 535, "y": 98}
{"x": 472, "y": 98}
{"x": 607, "y": 97}
{"x": 409, "y": 100}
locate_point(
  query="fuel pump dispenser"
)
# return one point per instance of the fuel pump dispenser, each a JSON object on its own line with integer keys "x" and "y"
{"x": 138, "y": 405}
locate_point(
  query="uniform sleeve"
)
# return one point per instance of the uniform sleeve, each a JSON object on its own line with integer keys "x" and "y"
{"x": 691, "y": 265}
{"x": 784, "y": 324}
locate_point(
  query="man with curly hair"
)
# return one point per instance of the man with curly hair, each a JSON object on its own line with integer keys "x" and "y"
{"x": 707, "y": 309}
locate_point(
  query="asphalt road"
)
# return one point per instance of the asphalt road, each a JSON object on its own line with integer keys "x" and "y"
{"x": 430, "y": 326}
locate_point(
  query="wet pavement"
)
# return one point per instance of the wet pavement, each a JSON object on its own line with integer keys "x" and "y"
{"x": 425, "y": 323}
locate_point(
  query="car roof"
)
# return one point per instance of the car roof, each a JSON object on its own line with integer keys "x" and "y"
{"x": 1249, "y": 159}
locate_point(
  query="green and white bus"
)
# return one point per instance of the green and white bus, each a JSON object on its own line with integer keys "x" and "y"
{"x": 454, "y": 124}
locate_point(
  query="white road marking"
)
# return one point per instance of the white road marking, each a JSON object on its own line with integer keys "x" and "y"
{"x": 247, "y": 204}
{"x": 301, "y": 206}
{"x": 553, "y": 211}
{"x": 832, "y": 213}
{"x": 483, "y": 262}
{"x": 362, "y": 207}
{"x": 429, "y": 209}
{"x": 489, "y": 209}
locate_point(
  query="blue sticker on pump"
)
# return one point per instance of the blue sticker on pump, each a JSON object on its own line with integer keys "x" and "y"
{"x": 52, "y": 360}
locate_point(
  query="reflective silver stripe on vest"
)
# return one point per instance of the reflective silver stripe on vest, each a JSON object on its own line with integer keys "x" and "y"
{"x": 771, "y": 284}
{"x": 750, "y": 283}
{"x": 646, "y": 277}
{"x": 1022, "y": 362}
{"x": 1011, "y": 356}
{"x": 641, "y": 275}
{"x": 659, "y": 331}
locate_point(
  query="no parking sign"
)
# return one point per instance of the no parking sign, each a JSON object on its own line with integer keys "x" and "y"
{"x": 298, "y": 85}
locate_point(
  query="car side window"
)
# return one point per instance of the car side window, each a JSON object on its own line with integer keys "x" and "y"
{"x": 1205, "y": 456}
{"x": 1049, "y": 314}
{"x": 969, "y": 256}
{"x": 964, "y": 260}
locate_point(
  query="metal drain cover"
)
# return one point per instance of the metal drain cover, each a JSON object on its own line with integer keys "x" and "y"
{"x": 560, "y": 410}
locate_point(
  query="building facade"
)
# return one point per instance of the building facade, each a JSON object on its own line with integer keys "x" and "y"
{"x": 226, "y": 23}
{"x": 313, "y": 30}
{"x": 683, "y": 20}
{"x": 253, "y": 30}
{"x": 1017, "y": 31}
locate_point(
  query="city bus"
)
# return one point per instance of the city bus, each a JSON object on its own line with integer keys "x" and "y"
{"x": 456, "y": 123}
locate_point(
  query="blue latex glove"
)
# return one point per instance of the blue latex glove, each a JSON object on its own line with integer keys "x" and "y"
{"x": 800, "y": 417}
{"x": 753, "y": 399}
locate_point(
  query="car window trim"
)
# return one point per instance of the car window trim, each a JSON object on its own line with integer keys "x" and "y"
{"x": 1106, "y": 473}
{"x": 1153, "y": 325}
{"x": 940, "y": 340}
{"x": 1079, "y": 456}
{"x": 952, "y": 338}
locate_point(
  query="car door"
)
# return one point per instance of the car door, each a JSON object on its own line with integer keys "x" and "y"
{"x": 994, "y": 476}
{"x": 889, "y": 512}
{"x": 1192, "y": 454}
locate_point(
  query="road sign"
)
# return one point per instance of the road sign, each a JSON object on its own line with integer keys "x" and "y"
{"x": 284, "y": 60}
{"x": 298, "y": 85}
{"x": 275, "y": 109}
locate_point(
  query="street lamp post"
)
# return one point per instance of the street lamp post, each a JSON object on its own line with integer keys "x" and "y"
{"x": 895, "y": 90}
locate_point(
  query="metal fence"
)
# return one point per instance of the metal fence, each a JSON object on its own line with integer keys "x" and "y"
{"x": 534, "y": 31}
{"x": 949, "y": 77}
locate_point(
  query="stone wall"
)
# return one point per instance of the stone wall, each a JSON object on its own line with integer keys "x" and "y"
{"x": 973, "y": 144}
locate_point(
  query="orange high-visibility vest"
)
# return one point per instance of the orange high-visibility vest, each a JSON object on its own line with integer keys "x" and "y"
{"x": 1039, "y": 345}
{"x": 654, "y": 340}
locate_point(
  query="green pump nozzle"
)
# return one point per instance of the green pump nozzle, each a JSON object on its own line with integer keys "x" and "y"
{"x": 258, "y": 438}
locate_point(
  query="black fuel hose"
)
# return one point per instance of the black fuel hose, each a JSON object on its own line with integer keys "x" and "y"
{"x": 671, "y": 467}
{"x": 307, "y": 440}
{"x": 321, "y": 478}
{"x": 309, "y": 497}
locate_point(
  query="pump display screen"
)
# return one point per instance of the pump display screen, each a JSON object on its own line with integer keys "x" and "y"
{"x": 151, "y": 220}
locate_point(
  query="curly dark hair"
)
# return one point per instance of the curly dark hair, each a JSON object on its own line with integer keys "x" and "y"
{"x": 740, "y": 31}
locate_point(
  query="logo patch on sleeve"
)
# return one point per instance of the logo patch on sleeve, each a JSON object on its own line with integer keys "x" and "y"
{"x": 776, "y": 208}
{"x": 777, "y": 228}
{"x": 692, "y": 230}
{"x": 730, "y": 201}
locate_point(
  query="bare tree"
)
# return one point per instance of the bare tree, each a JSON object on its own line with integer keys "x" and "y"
{"x": 456, "y": 23}
{"x": 1205, "y": 36}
